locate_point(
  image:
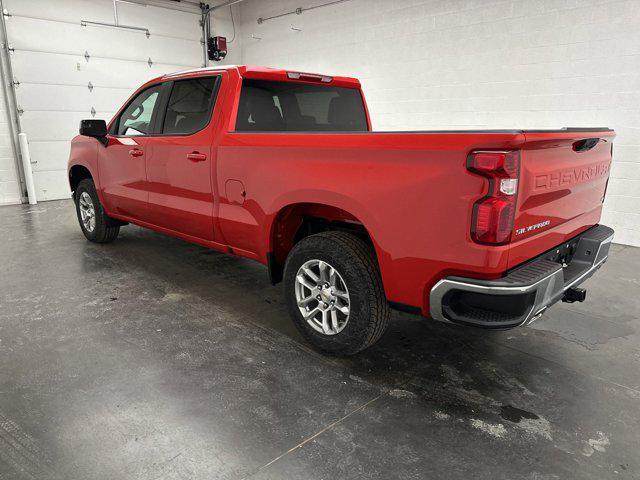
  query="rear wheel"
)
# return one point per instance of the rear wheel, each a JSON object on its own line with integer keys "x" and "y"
{"x": 334, "y": 293}
{"x": 95, "y": 224}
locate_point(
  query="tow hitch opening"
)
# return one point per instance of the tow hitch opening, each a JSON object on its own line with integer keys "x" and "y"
{"x": 574, "y": 294}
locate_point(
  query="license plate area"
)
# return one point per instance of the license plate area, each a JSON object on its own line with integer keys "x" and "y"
{"x": 563, "y": 254}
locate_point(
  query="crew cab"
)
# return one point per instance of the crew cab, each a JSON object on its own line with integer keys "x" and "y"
{"x": 479, "y": 228}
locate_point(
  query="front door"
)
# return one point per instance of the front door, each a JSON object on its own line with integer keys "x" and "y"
{"x": 179, "y": 159}
{"x": 121, "y": 163}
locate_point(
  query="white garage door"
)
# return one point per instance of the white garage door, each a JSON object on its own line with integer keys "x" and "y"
{"x": 66, "y": 72}
{"x": 9, "y": 187}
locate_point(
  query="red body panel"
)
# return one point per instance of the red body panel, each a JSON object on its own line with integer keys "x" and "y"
{"x": 123, "y": 177}
{"x": 411, "y": 191}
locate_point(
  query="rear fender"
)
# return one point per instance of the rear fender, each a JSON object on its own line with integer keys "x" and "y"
{"x": 287, "y": 218}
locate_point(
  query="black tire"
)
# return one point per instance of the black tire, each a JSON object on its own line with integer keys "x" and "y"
{"x": 355, "y": 261}
{"x": 106, "y": 229}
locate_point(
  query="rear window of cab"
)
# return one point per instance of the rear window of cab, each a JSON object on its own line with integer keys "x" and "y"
{"x": 271, "y": 106}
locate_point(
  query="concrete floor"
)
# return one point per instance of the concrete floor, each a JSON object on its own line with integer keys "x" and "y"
{"x": 151, "y": 358}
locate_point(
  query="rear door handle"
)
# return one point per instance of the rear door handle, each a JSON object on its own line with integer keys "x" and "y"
{"x": 136, "y": 152}
{"x": 196, "y": 157}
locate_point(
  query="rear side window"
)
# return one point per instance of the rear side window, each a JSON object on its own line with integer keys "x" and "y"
{"x": 136, "y": 118}
{"x": 267, "y": 106}
{"x": 190, "y": 105}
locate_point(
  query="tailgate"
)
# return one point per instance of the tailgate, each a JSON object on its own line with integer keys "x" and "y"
{"x": 563, "y": 179}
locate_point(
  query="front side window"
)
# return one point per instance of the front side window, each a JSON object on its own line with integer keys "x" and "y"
{"x": 190, "y": 105}
{"x": 136, "y": 118}
{"x": 268, "y": 106}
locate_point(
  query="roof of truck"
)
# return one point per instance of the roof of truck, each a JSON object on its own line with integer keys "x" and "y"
{"x": 267, "y": 73}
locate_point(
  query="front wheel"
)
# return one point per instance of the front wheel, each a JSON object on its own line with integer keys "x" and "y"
{"x": 95, "y": 224}
{"x": 334, "y": 293}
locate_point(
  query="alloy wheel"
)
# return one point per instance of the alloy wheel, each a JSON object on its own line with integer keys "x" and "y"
{"x": 322, "y": 297}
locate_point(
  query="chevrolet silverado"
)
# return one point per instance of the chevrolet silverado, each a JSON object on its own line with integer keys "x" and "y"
{"x": 478, "y": 228}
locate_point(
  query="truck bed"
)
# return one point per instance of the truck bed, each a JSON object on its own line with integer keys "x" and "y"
{"x": 414, "y": 194}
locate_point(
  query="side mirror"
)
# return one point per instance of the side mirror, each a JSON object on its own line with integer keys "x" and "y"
{"x": 94, "y": 128}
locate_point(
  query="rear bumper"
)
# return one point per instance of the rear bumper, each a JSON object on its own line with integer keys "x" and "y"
{"x": 525, "y": 292}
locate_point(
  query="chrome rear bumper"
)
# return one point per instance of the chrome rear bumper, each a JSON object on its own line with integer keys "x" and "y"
{"x": 524, "y": 293}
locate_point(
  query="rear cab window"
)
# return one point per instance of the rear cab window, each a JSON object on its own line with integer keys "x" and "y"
{"x": 272, "y": 106}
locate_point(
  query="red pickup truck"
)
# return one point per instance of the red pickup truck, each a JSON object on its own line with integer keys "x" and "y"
{"x": 481, "y": 228}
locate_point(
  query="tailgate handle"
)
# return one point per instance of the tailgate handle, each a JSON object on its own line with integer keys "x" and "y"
{"x": 585, "y": 145}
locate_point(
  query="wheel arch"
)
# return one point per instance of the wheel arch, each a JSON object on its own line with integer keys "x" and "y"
{"x": 295, "y": 221}
{"x": 77, "y": 173}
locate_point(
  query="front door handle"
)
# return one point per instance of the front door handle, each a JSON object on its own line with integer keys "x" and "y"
{"x": 135, "y": 152}
{"x": 196, "y": 157}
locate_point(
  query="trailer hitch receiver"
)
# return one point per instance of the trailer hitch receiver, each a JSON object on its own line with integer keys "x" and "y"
{"x": 574, "y": 294}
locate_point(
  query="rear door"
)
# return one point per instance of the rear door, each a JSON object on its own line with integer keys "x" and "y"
{"x": 121, "y": 163}
{"x": 179, "y": 158}
{"x": 563, "y": 179}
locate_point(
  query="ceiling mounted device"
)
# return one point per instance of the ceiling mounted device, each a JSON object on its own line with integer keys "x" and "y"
{"x": 217, "y": 48}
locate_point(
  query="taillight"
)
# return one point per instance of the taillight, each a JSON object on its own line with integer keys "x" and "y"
{"x": 492, "y": 220}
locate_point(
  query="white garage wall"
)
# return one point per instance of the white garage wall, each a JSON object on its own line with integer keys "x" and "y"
{"x": 460, "y": 64}
{"x": 48, "y": 62}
